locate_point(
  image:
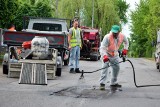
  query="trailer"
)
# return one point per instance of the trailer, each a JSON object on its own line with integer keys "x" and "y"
{"x": 17, "y": 58}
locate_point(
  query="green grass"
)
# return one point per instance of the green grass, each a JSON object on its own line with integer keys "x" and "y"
{"x": 152, "y": 59}
{"x": 1, "y": 57}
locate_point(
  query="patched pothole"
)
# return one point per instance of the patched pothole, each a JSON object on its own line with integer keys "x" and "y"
{"x": 83, "y": 92}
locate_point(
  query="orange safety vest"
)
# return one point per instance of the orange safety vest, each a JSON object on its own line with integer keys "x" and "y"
{"x": 112, "y": 48}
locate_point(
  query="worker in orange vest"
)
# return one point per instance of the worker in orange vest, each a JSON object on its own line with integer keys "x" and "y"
{"x": 11, "y": 27}
{"x": 109, "y": 54}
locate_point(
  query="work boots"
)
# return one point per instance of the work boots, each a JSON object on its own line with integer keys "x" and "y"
{"x": 116, "y": 85}
{"x": 77, "y": 70}
{"x": 102, "y": 87}
{"x": 72, "y": 71}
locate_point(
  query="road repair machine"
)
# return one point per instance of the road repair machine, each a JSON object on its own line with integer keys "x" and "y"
{"x": 91, "y": 43}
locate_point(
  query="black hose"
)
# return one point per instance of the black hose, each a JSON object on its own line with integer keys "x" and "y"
{"x": 104, "y": 67}
{"x": 134, "y": 75}
{"x": 82, "y": 76}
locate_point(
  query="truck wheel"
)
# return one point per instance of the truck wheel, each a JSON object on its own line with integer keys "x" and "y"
{"x": 5, "y": 69}
{"x": 58, "y": 72}
{"x": 157, "y": 66}
{"x": 66, "y": 62}
{"x": 94, "y": 58}
{"x": 99, "y": 57}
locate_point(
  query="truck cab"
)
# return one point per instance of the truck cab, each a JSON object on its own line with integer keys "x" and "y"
{"x": 48, "y": 25}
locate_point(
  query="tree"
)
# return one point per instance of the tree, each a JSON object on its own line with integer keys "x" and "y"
{"x": 69, "y": 8}
{"x": 145, "y": 21}
{"x": 13, "y": 11}
{"x": 7, "y": 12}
{"x": 122, "y": 7}
{"x": 106, "y": 12}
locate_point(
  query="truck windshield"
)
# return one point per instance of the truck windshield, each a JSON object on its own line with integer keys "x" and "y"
{"x": 47, "y": 27}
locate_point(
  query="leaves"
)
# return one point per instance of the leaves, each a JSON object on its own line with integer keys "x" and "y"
{"x": 145, "y": 22}
{"x": 13, "y": 11}
{"x": 106, "y": 12}
{"x": 7, "y": 11}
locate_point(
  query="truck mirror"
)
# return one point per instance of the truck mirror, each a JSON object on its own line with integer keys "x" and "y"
{"x": 66, "y": 33}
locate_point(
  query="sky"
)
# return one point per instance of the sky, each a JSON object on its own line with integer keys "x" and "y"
{"x": 125, "y": 28}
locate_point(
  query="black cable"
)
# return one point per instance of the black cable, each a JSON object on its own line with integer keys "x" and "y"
{"x": 82, "y": 76}
{"x": 104, "y": 67}
{"x": 134, "y": 77}
{"x": 82, "y": 73}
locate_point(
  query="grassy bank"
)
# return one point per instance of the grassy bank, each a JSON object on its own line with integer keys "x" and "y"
{"x": 152, "y": 59}
{"x": 1, "y": 58}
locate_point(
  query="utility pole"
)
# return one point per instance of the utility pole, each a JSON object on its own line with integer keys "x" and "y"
{"x": 56, "y": 8}
{"x": 92, "y": 12}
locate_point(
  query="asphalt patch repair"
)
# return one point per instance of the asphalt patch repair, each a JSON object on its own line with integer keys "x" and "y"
{"x": 84, "y": 92}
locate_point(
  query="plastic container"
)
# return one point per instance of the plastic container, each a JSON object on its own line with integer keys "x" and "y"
{"x": 40, "y": 46}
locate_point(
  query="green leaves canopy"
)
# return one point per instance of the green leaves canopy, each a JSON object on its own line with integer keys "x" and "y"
{"x": 145, "y": 22}
{"x": 106, "y": 12}
{"x": 12, "y": 11}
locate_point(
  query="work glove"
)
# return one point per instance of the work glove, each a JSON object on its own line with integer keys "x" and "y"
{"x": 124, "y": 52}
{"x": 105, "y": 58}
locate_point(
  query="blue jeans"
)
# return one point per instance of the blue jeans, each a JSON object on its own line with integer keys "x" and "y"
{"x": 74, "y": 57}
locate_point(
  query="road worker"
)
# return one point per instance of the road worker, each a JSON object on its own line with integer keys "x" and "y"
{"x": 11, "y": 27}
{"x": 109, "y": 54}
{"x": 75, "y": 44}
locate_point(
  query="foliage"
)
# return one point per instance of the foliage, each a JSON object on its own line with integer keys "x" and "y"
{"x": 121, "y": 7}
{"x": 145, "y": 22}
{"x": 13, "y": 11}
{"x": 7, "y": 12}
{"x": 106, "y": 12}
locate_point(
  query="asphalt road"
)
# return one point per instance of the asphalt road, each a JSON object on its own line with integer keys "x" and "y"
{"x": 69, "y": 91}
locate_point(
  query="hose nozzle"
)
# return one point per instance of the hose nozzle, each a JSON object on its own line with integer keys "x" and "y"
{"x": 124, "y": 58}
{"x": 82, "y": 76}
